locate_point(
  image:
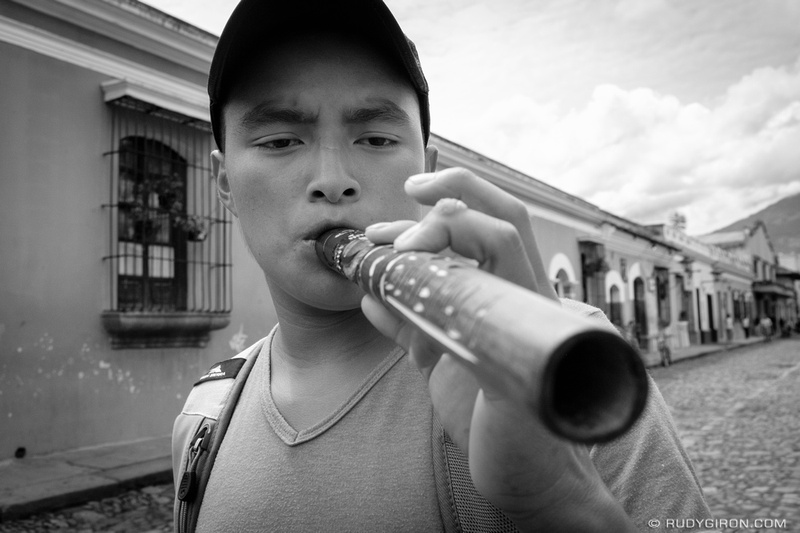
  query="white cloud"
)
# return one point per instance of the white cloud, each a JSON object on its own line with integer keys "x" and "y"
{"x": 550, "y": 88}
{"x": 642, "y": 155}
{"x": 634, "y": 10}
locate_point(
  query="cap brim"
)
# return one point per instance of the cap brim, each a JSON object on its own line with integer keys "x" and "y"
{"x": 254, "y": 24}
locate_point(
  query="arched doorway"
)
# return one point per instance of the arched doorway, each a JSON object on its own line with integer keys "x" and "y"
{"x": 615, "y": 306}
{"x": 712, "y": 329}
{"x": 640, "y": 313}
{"x": 562, "y": 276}
{"x": 562, "y": 285}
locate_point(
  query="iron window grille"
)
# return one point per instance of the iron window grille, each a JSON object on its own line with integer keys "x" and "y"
{"x": 169, "y": 257}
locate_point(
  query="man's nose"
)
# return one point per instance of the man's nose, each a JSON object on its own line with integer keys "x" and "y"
{"x": 332, "y": 180}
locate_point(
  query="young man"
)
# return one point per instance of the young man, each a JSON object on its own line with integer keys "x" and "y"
{"x": 320, "y": 112}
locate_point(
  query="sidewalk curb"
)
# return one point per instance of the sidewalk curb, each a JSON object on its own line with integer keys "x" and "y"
{"x": 47, "y": 483}
{"x": 653, "y": 360}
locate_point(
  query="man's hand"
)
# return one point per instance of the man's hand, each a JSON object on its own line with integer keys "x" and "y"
{"x": 540, "y": 481}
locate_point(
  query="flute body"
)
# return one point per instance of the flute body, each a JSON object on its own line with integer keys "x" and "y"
{"x": 586, "y": 383}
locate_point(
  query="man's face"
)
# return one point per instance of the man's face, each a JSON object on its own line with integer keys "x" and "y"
{"x": 322, "y": 133}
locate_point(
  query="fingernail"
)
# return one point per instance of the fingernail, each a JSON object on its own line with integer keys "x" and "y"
{"x": 376, "y": 226}
{"x": 419, "y": 179}
{"x": 448, "y": 206}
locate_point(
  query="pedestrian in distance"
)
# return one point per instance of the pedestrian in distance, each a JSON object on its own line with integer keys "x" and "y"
{"x": 662, "y": 343}
{"x": 320, "y": 113}
{"x": 634, "y": 334}
{"x": 729, "y": 328}
{"x": 626, "y": 333}
{"x": 766, "y": 328}
{"x": 783, "y": 327}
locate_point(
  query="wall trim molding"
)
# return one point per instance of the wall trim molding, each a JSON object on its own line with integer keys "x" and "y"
{"x": 162, "y": 330}
{"x": 172, "y": 89}
{"x": 138, "y": 25}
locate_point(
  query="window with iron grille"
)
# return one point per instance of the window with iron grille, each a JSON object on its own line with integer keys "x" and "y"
{"x": 169, "y": 260}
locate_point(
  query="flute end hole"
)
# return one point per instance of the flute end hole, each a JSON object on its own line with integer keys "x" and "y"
{"x": 599, "y": 386}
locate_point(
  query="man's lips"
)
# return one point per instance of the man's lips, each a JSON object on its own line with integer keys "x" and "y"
{"x": 318, "y": 230}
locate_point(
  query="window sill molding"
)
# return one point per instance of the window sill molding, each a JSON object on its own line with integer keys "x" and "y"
{"x": 139, "y": 329}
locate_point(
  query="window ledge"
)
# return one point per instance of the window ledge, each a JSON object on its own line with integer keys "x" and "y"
{"x": 138, "y": 329}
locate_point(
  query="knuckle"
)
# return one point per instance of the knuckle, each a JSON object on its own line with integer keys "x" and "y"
{"x": 457, "y": 173}
{"x": 507, "y": 236}
{"x": 401, "y": 334}
{"x": 518, "y": 213}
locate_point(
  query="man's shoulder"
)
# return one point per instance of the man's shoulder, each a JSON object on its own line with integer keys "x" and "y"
{"x": 580, "y": 307}
{"x": 210, "y": 391}
{"x": 207, "y": 399}
{"x": 586, "y": 310}
{"x": 229, "y": 368}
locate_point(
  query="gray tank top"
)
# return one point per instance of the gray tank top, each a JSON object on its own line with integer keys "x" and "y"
{"x": 366, "y": 467}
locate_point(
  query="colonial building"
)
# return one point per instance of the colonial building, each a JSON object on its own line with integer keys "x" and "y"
{"x": 789, "y": 266}
{"x": 712, "y": 284}
{"x": 123, "y": 278}
{"x": 773, "y": 290}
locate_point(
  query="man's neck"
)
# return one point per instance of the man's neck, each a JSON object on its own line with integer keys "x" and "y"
{"x": 309, "y": 340}
{"x": 319, "y": 359}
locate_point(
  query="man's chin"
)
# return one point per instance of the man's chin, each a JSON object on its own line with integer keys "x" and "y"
{"x": 309, "y": 283}
{"x": 338, "y": 296}
{"x": 327, "y": 291}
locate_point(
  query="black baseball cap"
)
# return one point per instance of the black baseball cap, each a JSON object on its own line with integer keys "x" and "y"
{"x": 255, "y": 25}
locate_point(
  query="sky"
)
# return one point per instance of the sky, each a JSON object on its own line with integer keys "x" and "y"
{"x": 641, "y": 107}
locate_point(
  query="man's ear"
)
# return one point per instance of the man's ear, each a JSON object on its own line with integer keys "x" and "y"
{"x": 431, "y": 158}
{"x": 220, "y": 173}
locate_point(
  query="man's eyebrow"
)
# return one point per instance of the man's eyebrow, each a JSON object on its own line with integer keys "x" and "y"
{"x": 381, "y": 110}
{"x": 271, "y": 113}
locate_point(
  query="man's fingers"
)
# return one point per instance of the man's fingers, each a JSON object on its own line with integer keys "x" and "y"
{"x": 495, "y": 244}
{"x": 464, "y": 185}
{"x": 387, "y": 232}
{"x": 422, "y": 352}
{"x": 385, "y": 322}
{"x": 487, "y": 198}
{"x": 454, "y": 407}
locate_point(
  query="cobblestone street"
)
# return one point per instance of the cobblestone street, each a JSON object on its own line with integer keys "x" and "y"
{"x": 147, "y": 510}
{"x": 738, "y": 414}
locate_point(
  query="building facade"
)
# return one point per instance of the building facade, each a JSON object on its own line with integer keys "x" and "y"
{"x": 774, "y": 291}
{"x": 716, "y": 287}
{"x": 124, "y": 279}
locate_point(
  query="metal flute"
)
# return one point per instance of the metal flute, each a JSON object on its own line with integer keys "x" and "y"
{"x": 586, "y": 383}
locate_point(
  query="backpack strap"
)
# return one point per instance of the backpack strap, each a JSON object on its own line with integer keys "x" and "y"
{"x": 462, "y": 507}
{"x": 214, "y": 408}
{"x": 441, "y": 474}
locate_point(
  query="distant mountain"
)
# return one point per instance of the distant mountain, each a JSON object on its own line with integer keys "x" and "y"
{"x": 782, "y": 220}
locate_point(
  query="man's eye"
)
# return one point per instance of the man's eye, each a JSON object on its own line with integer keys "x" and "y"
{"x": 378, "y": 141}
{"x": 277, "y": 144}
